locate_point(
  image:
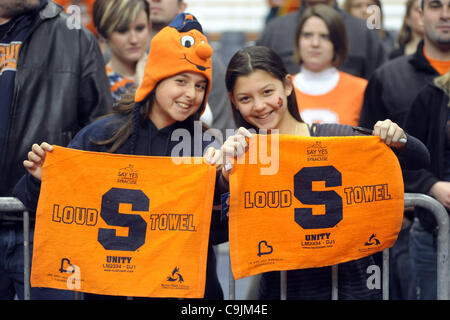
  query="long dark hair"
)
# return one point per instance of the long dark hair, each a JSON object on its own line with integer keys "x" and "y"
{"x": 126, "y": 107}
{"x": 405, "y": 34}
{"x": 246, "y": 61}
{"x": 136, "y": 114}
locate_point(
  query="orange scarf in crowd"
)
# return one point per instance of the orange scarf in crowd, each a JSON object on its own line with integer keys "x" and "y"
{"x": 312, "y": 202}
{"x": 123, "y": 225}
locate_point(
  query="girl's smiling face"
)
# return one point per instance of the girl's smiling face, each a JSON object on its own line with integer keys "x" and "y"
{"x": 177, "y": 98}
{"x": 261, "y": 99}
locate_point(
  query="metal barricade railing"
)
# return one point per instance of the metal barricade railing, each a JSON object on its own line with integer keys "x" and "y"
{"x": 440, "y": 213}
{"x": 10, "y": 204}
{"x": 443, "y": 264}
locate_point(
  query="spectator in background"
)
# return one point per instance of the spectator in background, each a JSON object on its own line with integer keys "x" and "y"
{"x": 86, "y": 7}
{"x": 390, "y": 93}
{"x": 429, "y": 121}
{"x": 325, "y": 94}
{"x": 411, "y": 32}
{"x": 274, "y": 7}
{"x": 52, "y": 85}
{"x": 124, "y": 27}
{"x": 281, "y": 7}
{"x": 289, "y": 6}
{"x": 393, "y": 87}
{"x": 366, "y": 51}
{"x": 162, "y": 12}
{"x": 360, "y": 9}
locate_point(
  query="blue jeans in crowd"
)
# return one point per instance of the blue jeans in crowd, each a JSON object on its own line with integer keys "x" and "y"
{"x": 424, "y": 265}
{"x": 11, "y": 267}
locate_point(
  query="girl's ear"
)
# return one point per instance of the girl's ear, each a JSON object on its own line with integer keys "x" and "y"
{"x": 288, "y": 86}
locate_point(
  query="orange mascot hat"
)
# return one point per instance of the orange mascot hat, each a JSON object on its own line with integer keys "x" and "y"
{"x": 179, "y": 47}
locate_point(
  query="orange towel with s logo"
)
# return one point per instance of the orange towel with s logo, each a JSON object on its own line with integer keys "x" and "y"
{"x": 330, "y": 200}
{"x": 123, "y": 225}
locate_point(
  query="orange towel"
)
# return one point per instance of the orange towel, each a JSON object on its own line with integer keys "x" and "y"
{"x": 123, "y": 225}
{"x": 332, "y": 200}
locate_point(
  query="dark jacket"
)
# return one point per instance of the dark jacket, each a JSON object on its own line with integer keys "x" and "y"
{"x": 366, "y": 51}
{"x": 315, "y": 283}
{"x": 60, "y": 86}
{"x": 427, "y": 120}
{"x": 149, "y": 141}
{"x": 393, "y": 87}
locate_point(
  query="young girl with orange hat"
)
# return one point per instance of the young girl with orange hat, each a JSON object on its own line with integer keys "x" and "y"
{"x": 172, "y": 96}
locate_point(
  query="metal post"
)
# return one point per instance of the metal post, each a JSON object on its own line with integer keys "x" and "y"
{"x": 385, "y": 273}
{"x": 440, "y": 213}
{"x": 231, "y": 284}
{"x": 334, "y": 282}
{"x": 283, "y": 285}
{"x": 26, "y": 255}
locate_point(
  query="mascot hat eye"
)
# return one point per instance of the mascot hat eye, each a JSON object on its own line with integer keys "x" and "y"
{"x": 187, "y": 41}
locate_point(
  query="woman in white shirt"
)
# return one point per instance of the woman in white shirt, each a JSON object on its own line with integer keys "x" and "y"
{"x": 324, "y": 93}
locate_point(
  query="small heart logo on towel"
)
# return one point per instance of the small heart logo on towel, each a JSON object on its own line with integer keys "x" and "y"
{"x": 65, "y": 264}
{"x": 264, "y": 248}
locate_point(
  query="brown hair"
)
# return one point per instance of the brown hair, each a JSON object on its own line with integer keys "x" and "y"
{"x": 405, "y": 34}
{"x": 336, "y": 28}
{"x": 114, "y": 15}
{"x": 126, "y": 107}
{"x": 348, "y": 6}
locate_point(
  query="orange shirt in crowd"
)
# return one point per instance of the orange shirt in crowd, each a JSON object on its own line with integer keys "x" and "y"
{"x": 440, "y": 66}
{"x": 340, "y": 105}
{"x": 289, "y": 6}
